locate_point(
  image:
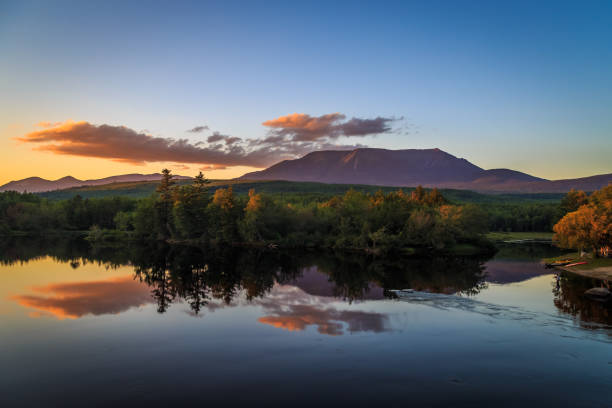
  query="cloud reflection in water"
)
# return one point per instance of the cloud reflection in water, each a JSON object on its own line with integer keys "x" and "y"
{"x": 76, "y": 299}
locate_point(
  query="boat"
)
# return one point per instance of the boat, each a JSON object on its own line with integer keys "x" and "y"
{"x": 564, "y": 262}
{"x": 577, "y": 263}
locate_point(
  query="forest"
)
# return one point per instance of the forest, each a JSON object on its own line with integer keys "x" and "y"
{"x": 377, "y": 221}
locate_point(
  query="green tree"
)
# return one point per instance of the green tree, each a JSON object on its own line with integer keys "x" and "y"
{"x": 190, "y": 209}
{"x": 224, "y": 216}
{"x": 164, "y": 205}
{"x": 144, "y": 218}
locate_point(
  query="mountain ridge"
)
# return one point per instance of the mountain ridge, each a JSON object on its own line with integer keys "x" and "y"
{"x": 411, "y": 167}
{"x": 39, "y": 185}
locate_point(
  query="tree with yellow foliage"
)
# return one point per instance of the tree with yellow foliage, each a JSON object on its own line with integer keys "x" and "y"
{"x": 590, "y": 226}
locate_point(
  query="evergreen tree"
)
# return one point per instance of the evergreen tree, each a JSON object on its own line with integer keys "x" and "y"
{"x": 164, "y": 205}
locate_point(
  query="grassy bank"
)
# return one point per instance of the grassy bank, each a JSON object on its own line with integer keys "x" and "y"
{"x": 520, "y": 236}
{"x": 592, "y": 263}
{"x": 597, "y": 268}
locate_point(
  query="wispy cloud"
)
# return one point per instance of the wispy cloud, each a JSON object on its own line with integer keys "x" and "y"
{"x": 198, "y": 129}
{"x": 181, "y": 167}
{"x": 212, "y": 167}
{"x": 48, "y": 124}
{"x": 218, "y": 137}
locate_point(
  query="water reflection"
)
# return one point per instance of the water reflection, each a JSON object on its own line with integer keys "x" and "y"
{"x": 570, "y": 299}
{"x": 294, "y": 289}
{"x": 290, "y": 308}
{"x": 293, "y": 322}
{"x": 77, "y": 299}
{"x": 198, "y": 276}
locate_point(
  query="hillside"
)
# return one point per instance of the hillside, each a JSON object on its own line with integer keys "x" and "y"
{"x": 412, "y": 167}
{"x": 298, "y": 191}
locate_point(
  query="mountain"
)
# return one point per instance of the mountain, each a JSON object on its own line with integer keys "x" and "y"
{"x": 37, "y": 184}
{"x": 412, "y": 167}
{"x": 372, "y": 166}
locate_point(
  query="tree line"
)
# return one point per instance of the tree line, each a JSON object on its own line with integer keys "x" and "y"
{"x": 356, "y": 219}
{"x": 191, "y": 213}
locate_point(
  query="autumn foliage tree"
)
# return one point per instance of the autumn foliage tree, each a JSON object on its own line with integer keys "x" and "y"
{"x": 590, "y": 226}
{"x": 572, "y": 201}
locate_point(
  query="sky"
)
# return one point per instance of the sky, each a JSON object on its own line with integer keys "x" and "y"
{"x": 100, "y": 88}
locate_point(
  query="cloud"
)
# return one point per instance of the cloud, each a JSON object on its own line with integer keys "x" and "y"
{"x": 180, "y": 167}
{"x": 218, "y": 137}
{"x": 120, "y": 143}
{"x": 303, "y": 127}
{"x": 198, "y": 129}
{"x": 76, "y": 299}
{"x": 48, "y": 124}
{"x": 212, "y": 167}
{"x": 289, "y": 137}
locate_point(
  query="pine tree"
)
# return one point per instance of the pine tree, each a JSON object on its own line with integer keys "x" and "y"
{"x": 164, "y": 205}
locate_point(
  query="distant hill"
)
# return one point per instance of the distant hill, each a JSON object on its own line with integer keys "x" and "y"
{"x": 37, "y": 184}
{"x": 412, "y": 167}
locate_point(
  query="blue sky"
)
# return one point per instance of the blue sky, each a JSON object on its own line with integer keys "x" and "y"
{"x": 522, "y": 85}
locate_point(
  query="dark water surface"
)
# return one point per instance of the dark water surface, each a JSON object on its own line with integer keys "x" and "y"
{"x": 175, "y": 326}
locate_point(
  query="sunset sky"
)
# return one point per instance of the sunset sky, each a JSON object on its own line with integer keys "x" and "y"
{"x": 94, "y": 89}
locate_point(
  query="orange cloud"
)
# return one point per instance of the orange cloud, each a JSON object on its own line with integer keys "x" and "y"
{"x": 303, "y": 127}
{"x": 212, "y": 167}
{"x": 180, "y": 167}
{"x": 120, "y": 143}
{"x": 76, "y": 299}
{"x": 306, "y": 124}
{"x": 48, "y": 124}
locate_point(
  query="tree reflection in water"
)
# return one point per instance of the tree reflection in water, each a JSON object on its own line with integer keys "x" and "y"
{"x": 569, "y": 298}
{"x": 199, "y": 275}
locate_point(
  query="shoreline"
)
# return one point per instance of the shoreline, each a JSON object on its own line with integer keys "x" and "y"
{"x": 601, "y": 273}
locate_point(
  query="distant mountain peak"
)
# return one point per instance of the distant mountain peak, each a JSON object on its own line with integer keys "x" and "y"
{"x": 39, "y": 185}
{"x": 68, "y": 178}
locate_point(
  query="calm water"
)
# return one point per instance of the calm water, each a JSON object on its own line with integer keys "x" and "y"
{"x": 160, "y": 326}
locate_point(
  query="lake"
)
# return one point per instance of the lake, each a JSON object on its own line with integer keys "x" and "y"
{"x": 153, "y": 325}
